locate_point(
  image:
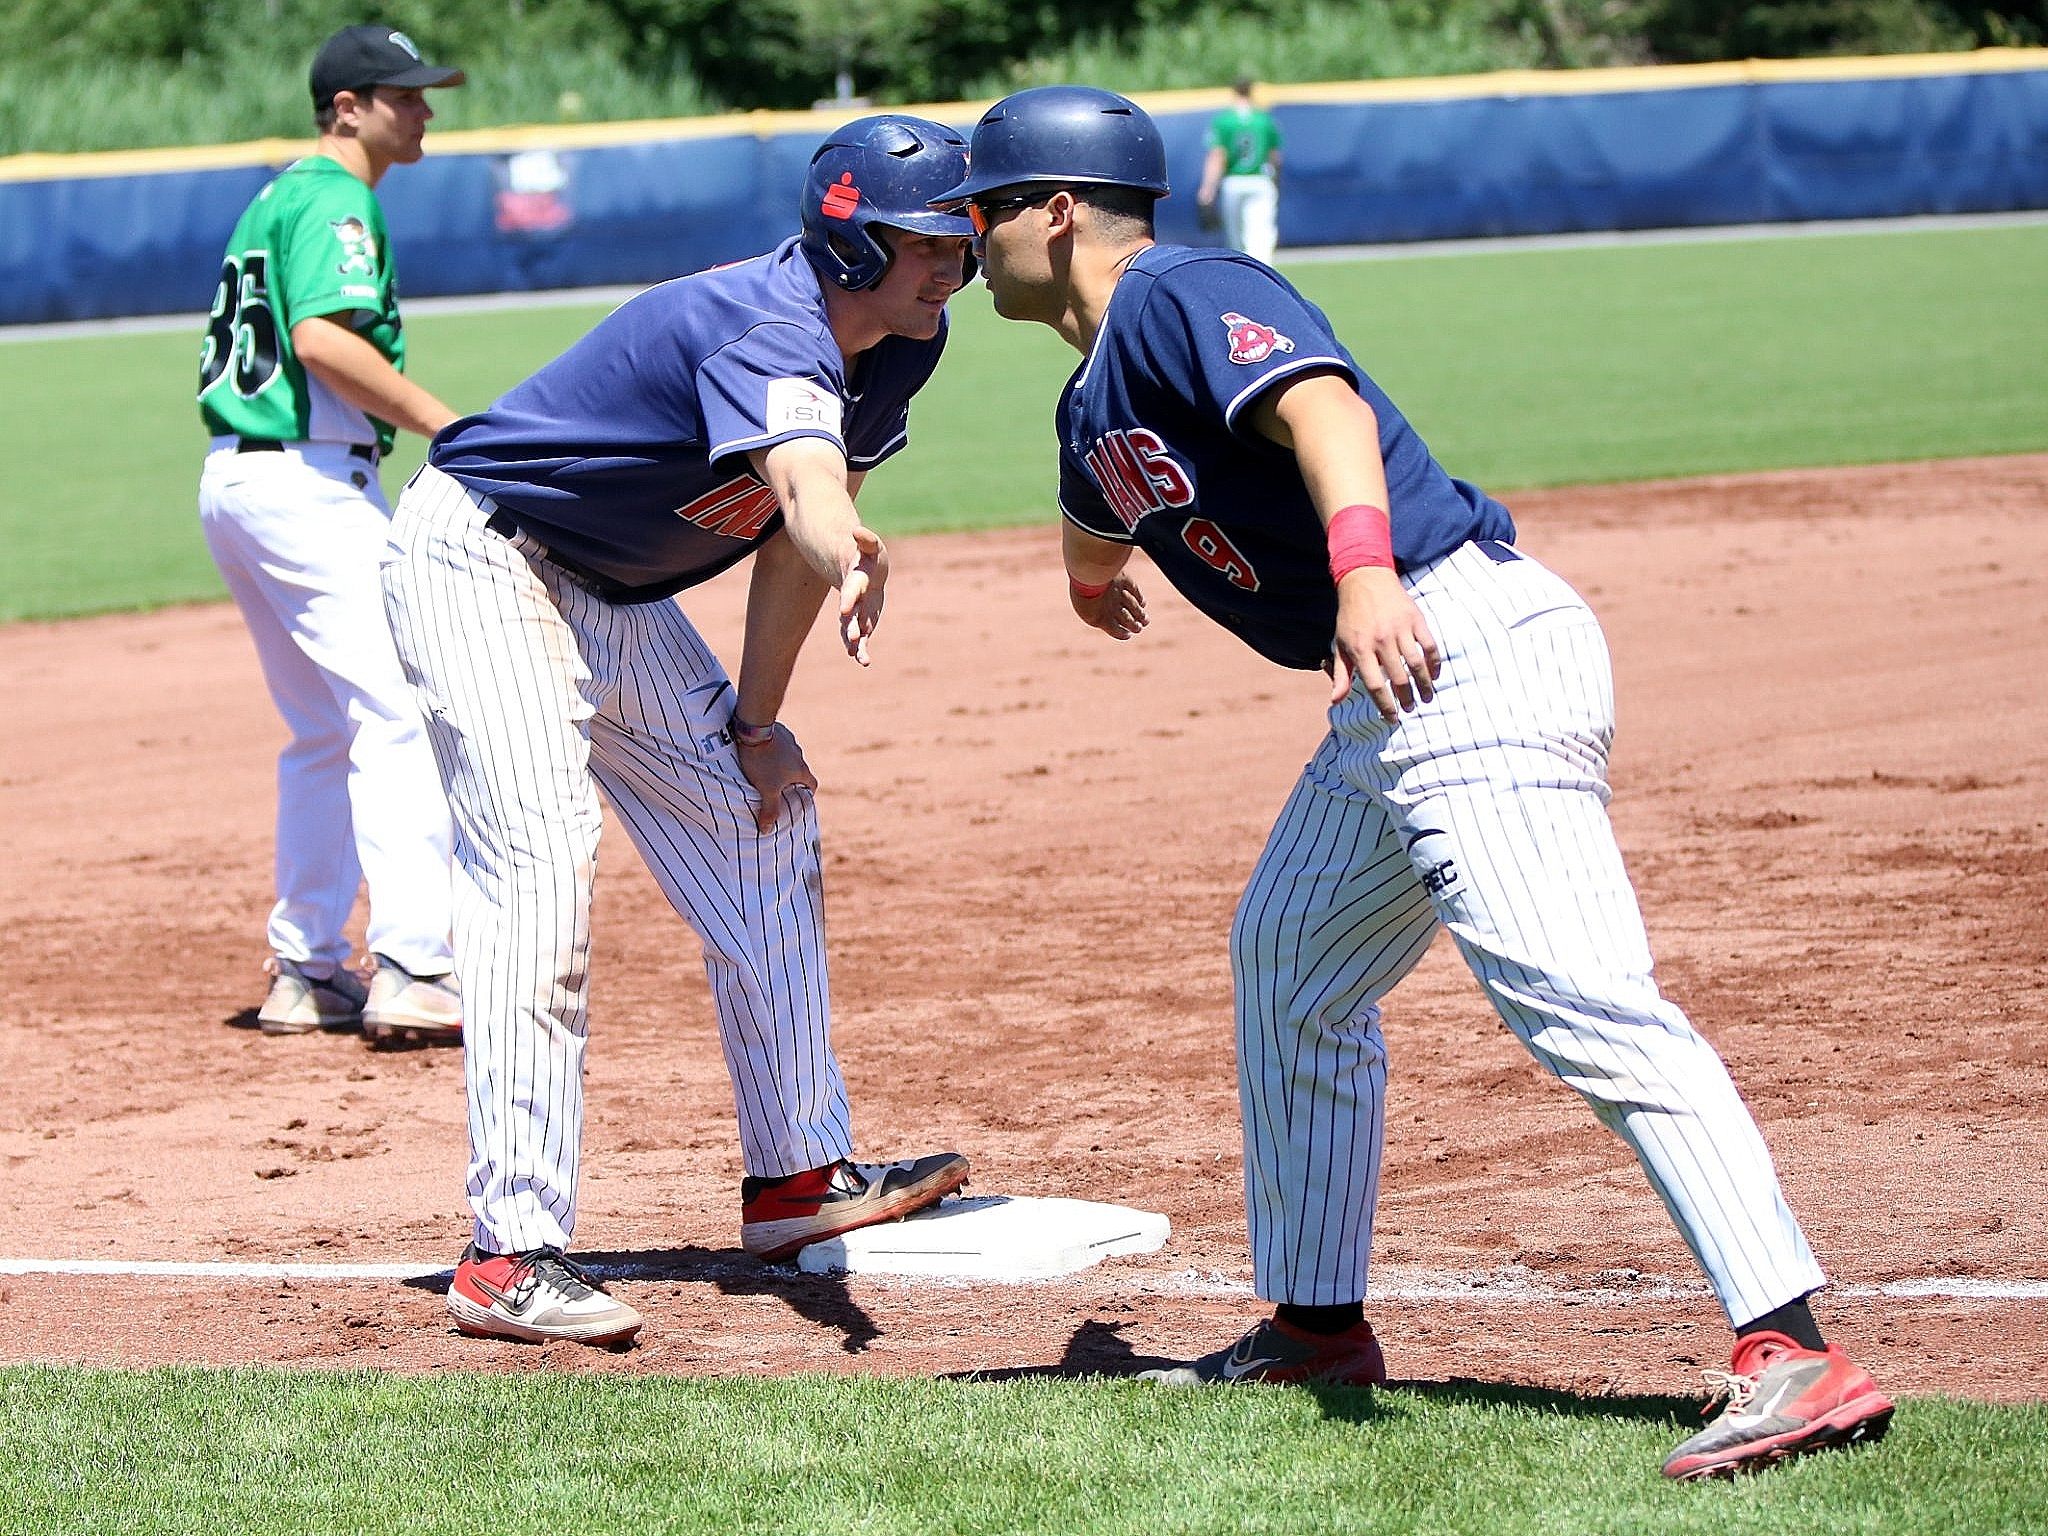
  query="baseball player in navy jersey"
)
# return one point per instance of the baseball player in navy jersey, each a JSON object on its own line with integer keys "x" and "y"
{"x": 724, "y": 415}
{"x": 301, "y": 385}
{"x": 1218, "y": 424}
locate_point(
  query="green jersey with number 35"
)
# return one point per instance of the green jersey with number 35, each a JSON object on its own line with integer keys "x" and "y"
{"x": 312, "y": 243}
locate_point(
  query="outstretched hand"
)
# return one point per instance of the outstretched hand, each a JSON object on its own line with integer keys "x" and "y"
{"x": 771, "y": 767}
{"x": 860, "y": 592}
{"x": 1118, "y": 612}
{"x": 1383, "y": 639}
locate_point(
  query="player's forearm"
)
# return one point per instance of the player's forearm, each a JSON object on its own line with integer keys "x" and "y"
{"x": 1212, "y": 174}
{"x": 809, "y": 479}
{"x": 358, "y": 372}
{"x": 1091, "y": 562}
{"x": 782, "y": 605}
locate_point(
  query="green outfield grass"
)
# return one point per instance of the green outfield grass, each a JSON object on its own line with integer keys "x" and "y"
{"x": 258, "y": 1452}
{"x": 1521, "y": 368}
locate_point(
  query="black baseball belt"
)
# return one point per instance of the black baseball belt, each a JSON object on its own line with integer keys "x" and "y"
{"x": 361, "y": 451}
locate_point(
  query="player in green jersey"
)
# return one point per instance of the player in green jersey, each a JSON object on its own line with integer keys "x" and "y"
{"x": 301, "y": 386}
{"x": 1241, "y": 174}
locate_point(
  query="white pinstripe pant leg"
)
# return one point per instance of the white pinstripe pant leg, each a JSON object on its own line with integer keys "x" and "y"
{"x": 509, "y": 698}
{"x": 1499, "y": 793}
{"x": 1332, "y": 918}
{"x": 662, "y": 752}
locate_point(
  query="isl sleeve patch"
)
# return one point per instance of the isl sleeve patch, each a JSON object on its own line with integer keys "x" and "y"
{"x": 801, "y": 405}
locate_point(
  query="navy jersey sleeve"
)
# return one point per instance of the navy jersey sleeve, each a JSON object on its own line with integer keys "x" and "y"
{"x": 1082, "y": 505}
{"x": 1081, "y": 500}
{"x": 1223, "y": 332}
{"x": 763, "y": 388}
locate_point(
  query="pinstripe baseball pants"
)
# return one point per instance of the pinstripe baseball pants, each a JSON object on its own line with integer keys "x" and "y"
{"x": 537, "y": 693}
{"x": 1485, "y": 812}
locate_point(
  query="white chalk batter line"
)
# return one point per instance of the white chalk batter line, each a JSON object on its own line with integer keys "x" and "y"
{"x": 1492, "y": 1287}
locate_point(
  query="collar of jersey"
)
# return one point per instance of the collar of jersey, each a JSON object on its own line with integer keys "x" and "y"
{"x": 1102, "y": 330}
{"x": 795, "y": 268}
{"x": 318, "y": 162}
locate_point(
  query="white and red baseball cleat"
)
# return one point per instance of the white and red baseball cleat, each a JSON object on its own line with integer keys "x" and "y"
{"x": 1783, "y": 1400}
{"x": 538, "y": 1296}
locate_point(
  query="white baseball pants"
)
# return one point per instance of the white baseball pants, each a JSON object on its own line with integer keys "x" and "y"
{"x": 297, "y": 534}
{"x": 1484, "y": 811}
{"x": 537, "y": 693}
{"x": 1250, "y": 207}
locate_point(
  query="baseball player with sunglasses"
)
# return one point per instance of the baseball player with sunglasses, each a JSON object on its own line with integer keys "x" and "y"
{"x": 301, "y": 383}
{"x": 729, "y": 414}
{"x": 1217, "y": 423}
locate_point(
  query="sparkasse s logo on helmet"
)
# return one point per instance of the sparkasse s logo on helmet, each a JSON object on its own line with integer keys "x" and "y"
{"x": 842, "y": 197}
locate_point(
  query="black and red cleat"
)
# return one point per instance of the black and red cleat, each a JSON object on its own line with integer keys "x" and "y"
{"x": 1783, "y": 1400}
{"x": 1279, "y": 1352}
{"x": 779, "y": 1217}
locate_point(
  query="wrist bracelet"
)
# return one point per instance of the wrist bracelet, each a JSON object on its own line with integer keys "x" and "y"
{"x": 752, "y": 735}
{"x": 1087, "y": 589}
{"x": 1360, "y": 535}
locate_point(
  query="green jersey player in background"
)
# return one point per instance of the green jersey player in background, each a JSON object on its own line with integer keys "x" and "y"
{"x": 302, "y": 389}
{"x": 1241, "y": 174}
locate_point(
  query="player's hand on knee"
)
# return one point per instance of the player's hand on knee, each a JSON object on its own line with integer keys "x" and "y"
{"x": 860, "y": 592}
{"x": 772, "y": 766}
{"x": 1384, "y": 641}
{"x": 1118, "y": 610}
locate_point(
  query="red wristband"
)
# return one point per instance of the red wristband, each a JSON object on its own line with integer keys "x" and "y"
{"x": 1360, "y": 535}
{"x": 752, "y": 735}
{"x": 1087, "y": 590}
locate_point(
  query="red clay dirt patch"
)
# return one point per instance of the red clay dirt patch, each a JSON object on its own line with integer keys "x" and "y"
{"x": 1832, "y": 783}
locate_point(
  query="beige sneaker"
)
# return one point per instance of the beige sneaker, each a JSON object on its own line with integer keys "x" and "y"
{"x": 406, "y": 1009}
{"x": 299, "y": 1004}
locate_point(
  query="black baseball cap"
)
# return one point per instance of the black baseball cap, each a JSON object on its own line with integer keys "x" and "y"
{"x": 356, "y": 57}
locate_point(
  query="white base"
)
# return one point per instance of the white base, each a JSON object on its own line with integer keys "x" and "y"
{"x": 991, "y": 1237}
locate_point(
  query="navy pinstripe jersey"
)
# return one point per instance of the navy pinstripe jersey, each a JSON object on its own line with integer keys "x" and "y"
{"x": 627, "y": 455}
{"x": 1156, "y": 449}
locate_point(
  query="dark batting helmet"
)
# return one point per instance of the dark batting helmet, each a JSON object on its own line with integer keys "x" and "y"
{"x": 1064, "y": 135}
{"x": 882, "y": 170}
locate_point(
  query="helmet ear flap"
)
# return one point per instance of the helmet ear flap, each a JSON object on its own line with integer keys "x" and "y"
{"x": 863, "y": 256}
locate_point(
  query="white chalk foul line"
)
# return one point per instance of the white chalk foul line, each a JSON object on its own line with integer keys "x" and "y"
{"x": 1499, "y": 1287}
{"x": 171, "y": 1269}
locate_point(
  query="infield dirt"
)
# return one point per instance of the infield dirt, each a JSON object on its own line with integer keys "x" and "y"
{"x": 1831, "y": 784}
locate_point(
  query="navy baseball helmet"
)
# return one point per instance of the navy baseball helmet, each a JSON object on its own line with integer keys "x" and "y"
{"x": 882, "y": 170}
{"x": 1066, "y": 135}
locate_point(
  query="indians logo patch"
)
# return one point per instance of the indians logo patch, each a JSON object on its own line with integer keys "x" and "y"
{"x": 1251, "y": 342}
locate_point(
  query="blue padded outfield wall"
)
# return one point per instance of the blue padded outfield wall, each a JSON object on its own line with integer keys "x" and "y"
{"x": 88, "y": 236}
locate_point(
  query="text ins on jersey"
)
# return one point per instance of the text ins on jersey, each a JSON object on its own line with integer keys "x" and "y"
{"x": 1137, "y": 474}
